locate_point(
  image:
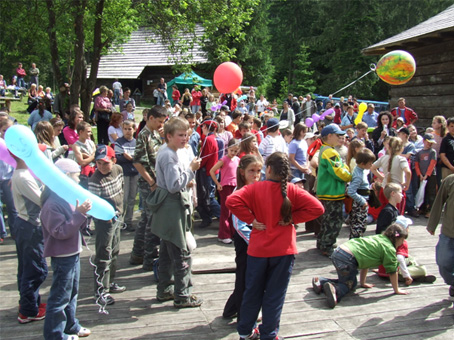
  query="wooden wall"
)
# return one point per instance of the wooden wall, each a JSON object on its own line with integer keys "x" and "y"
{"x": 431, "y": 91}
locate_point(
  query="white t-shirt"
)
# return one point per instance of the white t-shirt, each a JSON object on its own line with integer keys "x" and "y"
{"x": 116, "y": 85}
{"x": 397, "y": 168}
{"x": 272, "y": 144}
{"x": 261, "y": 105}
{"x": 111, "y": 130}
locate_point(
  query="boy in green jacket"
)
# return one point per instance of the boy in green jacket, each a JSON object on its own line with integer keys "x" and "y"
{"x": 331, "y": 178}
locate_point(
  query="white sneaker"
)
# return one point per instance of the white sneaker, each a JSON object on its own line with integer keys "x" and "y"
{"x": 83, "y": 332}
{"x": 225, "y": 240}
{"x": 73, "y": 337}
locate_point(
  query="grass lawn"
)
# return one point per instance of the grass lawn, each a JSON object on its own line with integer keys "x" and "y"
{"x": 19, "y": 111}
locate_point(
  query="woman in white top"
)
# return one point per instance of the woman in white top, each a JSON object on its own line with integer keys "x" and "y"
{"x": 114, "y": 131}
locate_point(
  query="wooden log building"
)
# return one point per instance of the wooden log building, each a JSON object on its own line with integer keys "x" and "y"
{"x": 142, "y": 61}
{"x": 431, "y": 91}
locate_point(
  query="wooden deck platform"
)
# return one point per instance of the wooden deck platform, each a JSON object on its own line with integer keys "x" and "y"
{"x": 368, "y": 314}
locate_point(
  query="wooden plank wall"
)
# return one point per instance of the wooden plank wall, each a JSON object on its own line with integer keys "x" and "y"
{"x": 431, "y": 91}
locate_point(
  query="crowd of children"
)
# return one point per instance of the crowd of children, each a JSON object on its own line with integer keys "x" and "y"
{"x": 179, "y": 163}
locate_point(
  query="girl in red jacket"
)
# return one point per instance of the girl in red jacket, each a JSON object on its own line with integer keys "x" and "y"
{"x": 272, "y": 207}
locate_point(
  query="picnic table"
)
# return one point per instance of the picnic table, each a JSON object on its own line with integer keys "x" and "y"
{"x": 7, "y": 101}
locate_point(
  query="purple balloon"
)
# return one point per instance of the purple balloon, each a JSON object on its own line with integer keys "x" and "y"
{"x": 315, "y": 117}
{"x": 309, "y": 122}
{"x": 327, "y": 112}
{"x": 224, "y": 102}
{"x": 214, "y": 108}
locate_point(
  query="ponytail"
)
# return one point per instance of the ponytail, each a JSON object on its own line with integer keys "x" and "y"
{"x": 280, "y": 167}
{"x": 395, "y": 146}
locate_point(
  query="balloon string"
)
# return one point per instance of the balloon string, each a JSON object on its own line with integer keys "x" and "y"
{"x": 99, "y": 277}
{"x": 354, "y": 81}
{"x": 296, "y": 114}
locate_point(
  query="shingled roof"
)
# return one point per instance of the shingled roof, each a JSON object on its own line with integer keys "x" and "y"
{"x": 433, "y": 28}
{"x": 144, "y": 48}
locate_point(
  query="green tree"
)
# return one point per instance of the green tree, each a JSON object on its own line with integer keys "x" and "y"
{"x": 254, "y": 53}
{"x": 303, "y": 81}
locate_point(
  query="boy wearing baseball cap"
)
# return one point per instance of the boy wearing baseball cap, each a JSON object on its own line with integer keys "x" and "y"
{"x": 107, "y": 183}
{"x": 332, "y": 176}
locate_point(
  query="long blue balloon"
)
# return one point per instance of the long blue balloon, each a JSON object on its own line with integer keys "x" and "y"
{"x": 21, "y": 141}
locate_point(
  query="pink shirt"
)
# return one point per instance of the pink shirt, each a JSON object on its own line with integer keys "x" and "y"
{"x": 102, "y": 103}
{"x": 228, "y": 170}
{"x": 71, "y": 135}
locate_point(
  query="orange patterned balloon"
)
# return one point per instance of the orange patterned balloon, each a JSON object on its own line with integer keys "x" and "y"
{"x": 396, "y": 67}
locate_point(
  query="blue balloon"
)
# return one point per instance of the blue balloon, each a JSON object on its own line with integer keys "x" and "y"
{"x": 21, "y": 141}
{"x": 243, "y": 97}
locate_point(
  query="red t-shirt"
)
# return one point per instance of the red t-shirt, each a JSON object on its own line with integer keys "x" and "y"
{"x": 209, "y": 153}
{"x": 176, "y": 95}
{"x": 262, "y": 201}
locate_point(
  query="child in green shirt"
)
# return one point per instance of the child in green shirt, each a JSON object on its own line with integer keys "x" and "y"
{"x": 362, "y": 253}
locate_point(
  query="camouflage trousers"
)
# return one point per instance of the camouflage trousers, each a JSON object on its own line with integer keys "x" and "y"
{"x": 331, "y": 225}
{"x": 357, "y": 220}
{"x": 146, "y": 244}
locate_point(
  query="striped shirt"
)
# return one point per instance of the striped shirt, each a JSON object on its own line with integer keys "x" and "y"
{"x": 109, "y": 187}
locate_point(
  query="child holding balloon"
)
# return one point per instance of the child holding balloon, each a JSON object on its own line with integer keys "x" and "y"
{"x": 62, "y": 224}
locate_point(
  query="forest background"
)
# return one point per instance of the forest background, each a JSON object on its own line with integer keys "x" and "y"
{"x": 299, "y": 46}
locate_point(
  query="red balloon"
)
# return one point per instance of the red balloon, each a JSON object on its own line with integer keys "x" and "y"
{"x": 227, "y": 77}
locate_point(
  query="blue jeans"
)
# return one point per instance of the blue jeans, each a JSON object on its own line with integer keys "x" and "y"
{"x": 267, "y": 280}
{"x": 208, "y": 207}
{"x": 445, "y": 258}
{"x": 62, "y": 301}
{"x": 195, "y": 108}
{"x": 347, "y": 270}
{"x": 20, "y": 82}
{"x": 32, "y": 267}
{"x": 297, "y": 173}
{"x": 7, "y": 198}
{"x": 3, "y": 232}
{"x": 411, "y": 193}
{"x": 160, "y": 100}
{"x": 117, "y": 97}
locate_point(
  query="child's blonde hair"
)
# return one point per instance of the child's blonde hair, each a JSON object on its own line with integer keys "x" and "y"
{"x": 395, "y": 147}
{"x": 45, "y": 133}
{"x": 390, "y": 188}
{"x": 173, "y": 125}
{"x": 441, "y": 120}
{"x": 128, "y": 122}
{"x": 351, "y": 153}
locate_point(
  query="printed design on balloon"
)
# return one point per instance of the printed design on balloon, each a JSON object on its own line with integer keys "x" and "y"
{"x": 396, "y": 67}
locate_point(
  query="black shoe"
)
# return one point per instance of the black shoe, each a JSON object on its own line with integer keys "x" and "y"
{"x": 190, "y": 302}
{"x": 167, "y": 296}
{"x": 148, "y": 267}
{"x": 135, "y": 260}
{"x": 330, "y": 292}
{"x": 413, "y": 213}
{"x": 316, "y": 286}
{"x": 204, "y": 224}
{"x": 115, "y": 288}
